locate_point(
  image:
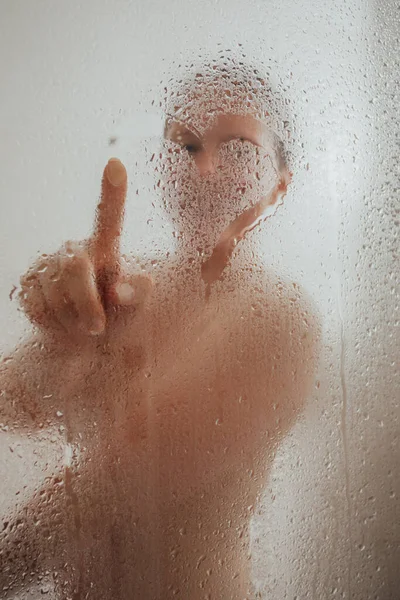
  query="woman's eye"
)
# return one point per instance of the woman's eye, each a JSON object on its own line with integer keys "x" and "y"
{"x": 191, "y": 148}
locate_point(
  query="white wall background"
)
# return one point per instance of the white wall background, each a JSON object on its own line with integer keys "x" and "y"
{"x": 74, "y": 73}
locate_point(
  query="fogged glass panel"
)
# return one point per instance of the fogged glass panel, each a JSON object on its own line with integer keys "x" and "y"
{"x": 198, "y": 259}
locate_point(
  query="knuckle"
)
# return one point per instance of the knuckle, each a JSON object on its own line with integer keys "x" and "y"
{"x": 77, "y": 265}
{"x": 45, "y": 268}
{"x": 72, "y": 248}
{"x": 28, "y": 281}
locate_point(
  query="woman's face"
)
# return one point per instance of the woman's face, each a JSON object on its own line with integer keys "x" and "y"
{"x": 215, "y": 171}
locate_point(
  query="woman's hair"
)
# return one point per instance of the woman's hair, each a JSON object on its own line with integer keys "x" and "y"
{"x": 232, "y": 85}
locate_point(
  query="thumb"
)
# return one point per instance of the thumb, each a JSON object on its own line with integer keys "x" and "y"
{"x": 131, "y": 290}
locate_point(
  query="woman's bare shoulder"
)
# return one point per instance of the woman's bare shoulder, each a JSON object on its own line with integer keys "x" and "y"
{"x": 270, "y": 306}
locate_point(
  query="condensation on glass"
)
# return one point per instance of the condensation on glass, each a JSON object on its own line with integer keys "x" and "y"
{"x": 197, "y": 377}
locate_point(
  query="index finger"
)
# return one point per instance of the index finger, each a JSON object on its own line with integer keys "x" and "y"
{"x": 109, "y": 218}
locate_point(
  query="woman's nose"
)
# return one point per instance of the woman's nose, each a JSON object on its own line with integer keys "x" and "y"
{"x": 205, "y": 162}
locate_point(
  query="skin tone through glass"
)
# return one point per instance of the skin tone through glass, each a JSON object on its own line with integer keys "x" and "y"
{"x": 235, "y": 133}
{"x": 175, "y": 388}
